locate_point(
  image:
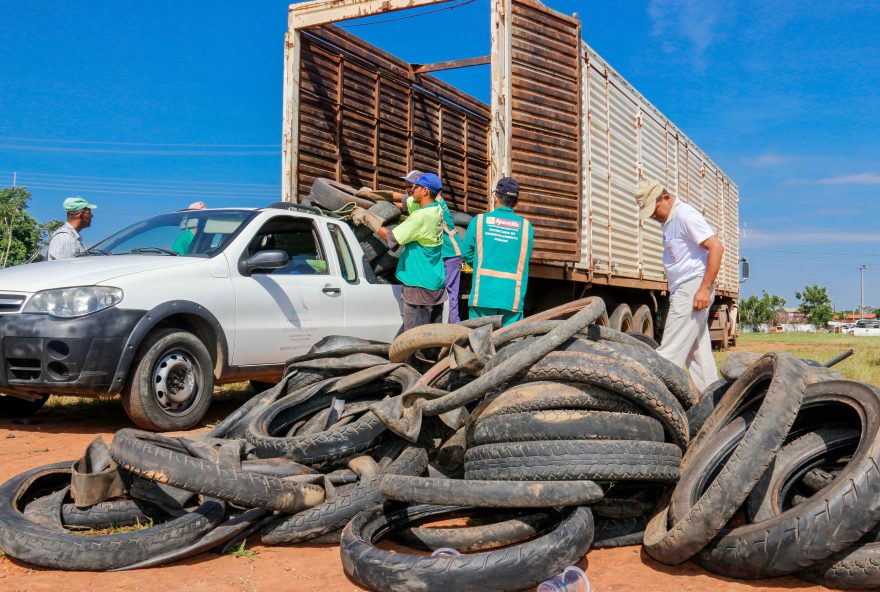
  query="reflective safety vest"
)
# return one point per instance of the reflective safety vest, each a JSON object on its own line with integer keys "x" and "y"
{"x": 499, "y": 243}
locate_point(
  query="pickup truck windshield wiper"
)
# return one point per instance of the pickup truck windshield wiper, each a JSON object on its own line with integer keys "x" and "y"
{"x": 153, "y": 250}
{"x": 93, "y": 251}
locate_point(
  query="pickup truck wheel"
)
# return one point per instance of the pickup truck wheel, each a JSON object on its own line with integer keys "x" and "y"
{"x": 172, "y": 383}
{"x": 11, "y": 406}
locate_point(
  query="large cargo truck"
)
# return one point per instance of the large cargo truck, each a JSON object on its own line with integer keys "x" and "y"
{"x": 562, "y": 121}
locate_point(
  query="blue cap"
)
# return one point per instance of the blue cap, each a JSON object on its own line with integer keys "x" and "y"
{"x": 508, "y": 187}
{"x": 431, "y": 182}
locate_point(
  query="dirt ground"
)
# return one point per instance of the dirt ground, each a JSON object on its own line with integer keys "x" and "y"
{"x": 62, "y": 432}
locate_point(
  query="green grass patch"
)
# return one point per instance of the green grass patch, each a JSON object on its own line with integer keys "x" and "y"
{"x": 243, "y": 551}
{"x": 863, "y": 365}
{"x": 118, "y": 529}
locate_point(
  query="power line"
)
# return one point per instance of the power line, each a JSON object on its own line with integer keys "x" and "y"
{"x": 115, "y": 143}
{"x": 180, "y": 182}
{"x": 85, "y": 186}
{"x": 144, "y": 152}
{"x": 205, "y": 195}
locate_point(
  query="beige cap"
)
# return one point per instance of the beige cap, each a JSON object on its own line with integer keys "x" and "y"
{"x": 646, "y": 196}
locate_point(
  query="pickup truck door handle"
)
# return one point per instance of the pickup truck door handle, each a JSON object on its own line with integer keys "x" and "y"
{"x": 331, "y": 290}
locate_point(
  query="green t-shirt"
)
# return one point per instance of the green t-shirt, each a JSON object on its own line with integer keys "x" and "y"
{"x": 421, "y": 263}
{"x": 182, "y": 242}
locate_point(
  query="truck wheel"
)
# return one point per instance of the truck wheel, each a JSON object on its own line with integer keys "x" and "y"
{"x": 12, "y": 406}
{"x": 643, "y": 321}
{"x": 172, "y": 382}
{"x": 622, "y": 318}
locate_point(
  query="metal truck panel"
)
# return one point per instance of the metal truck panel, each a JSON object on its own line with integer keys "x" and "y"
{"x": 545, "y": 136}
{"x": 575, "y": 133}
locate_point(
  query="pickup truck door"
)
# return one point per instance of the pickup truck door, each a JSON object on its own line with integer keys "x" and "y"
{"x": 372, "y": 310}
{"x": 281, "y": 313}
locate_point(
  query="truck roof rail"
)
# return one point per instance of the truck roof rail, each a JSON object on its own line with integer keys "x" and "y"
{"x": 295, "y": 207}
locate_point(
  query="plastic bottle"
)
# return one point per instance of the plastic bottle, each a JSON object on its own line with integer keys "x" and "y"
{"x": 572, "y": 579}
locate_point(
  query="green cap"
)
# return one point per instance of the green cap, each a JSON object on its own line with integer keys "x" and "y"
{"x": 73, "y": 204}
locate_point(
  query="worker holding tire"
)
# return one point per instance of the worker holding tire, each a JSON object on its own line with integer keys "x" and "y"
{"x": 420, "y": 268}
{"x": 691, "y": 258}
{"x": 498, "y": 245}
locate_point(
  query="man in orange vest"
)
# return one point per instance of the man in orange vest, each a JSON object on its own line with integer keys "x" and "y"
{"x": 498, "y": 245}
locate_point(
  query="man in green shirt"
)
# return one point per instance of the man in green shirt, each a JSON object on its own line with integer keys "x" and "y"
{"x": 498, "y": 245}
{"x": 420, "y": 268}
{"x": 184, "y": 240}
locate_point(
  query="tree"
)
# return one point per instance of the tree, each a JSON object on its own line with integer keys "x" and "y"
{"x": 816, "y": 304}
{"x": 758, "y": 311}
{"x": 21, "y": 236}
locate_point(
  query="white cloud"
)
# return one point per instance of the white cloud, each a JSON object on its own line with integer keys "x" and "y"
{"x": 756, "y": 238}
{"x": 768, "y": 160}
{"x": 854, "y": 179}
{"x": 694, "y": 21}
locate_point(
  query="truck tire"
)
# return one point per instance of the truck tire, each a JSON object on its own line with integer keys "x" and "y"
{"x": 12, "y": 406}
{"x": 482, "y": 534}
{"x": 643, "y": 321}
{"x": 172, "y": 383}
{"x": 621, "y": 319}
{"x": 333, "y": 195}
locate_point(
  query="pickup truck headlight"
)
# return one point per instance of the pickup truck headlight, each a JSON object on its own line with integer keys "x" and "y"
{"x": 74, "y": 302}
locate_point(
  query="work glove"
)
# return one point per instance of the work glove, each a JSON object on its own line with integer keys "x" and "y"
{"x": 361, "y": 217}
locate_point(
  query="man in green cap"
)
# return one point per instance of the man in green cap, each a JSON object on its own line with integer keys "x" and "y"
{"x": 498, "y": 245}
{"x": 66, "y": 242}
{"x": 420, "y": 268}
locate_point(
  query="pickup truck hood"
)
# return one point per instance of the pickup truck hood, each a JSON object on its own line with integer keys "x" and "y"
{"x": 84, "y": 271}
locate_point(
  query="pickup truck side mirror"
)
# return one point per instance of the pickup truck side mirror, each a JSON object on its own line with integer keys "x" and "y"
{"x": 272, "y": 259}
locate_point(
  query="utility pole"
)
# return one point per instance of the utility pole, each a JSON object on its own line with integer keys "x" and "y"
{"x": 862, "y": 299}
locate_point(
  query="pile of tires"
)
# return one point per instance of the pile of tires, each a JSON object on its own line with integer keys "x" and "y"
{"x": 337, "y": 197}
{"x": 295, "y": 463}
{"x": 781, "y": 478}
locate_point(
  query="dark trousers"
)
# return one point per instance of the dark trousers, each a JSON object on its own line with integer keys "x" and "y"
{"x": 415, "y": 315}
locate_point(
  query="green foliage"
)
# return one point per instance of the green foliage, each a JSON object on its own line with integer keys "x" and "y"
{"x": 816, "y": 304}
{"x": 21, "y": 236}
{"x": 758, "y": 311}
{"x": 243, "y": 551}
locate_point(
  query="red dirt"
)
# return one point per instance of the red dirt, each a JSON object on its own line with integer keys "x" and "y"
{"x": 62, "y": 433}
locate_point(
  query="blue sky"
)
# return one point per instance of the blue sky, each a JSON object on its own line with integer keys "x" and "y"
{"x": 144, "y": 108}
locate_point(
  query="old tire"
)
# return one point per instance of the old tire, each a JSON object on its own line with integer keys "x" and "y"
{"x": 489, "y": 494}
{"x": 14, "y": 407}
{"x": 34, "y": 543}
{"x": 709, "y": 399}
{"x": 426, "y": 336}
{"x": 165, "y": 460}
{"x": 386, "y": 210}
{"x": 172, "y": 383}
{"x": 491, "y": 532}
{"x": 834, "y": 518}
{"x": 517, "y": 567}
{"x": 332, "y": 195}
{"x": 628, "y": 379}
{"x": 695, "y": 522}
{"x": 330, "y": 517}
{"x": 564, "y": 424}
{"x": 574, "y": 460}
{"x": 621, "y": 319}
{"x": 643, "y": 321}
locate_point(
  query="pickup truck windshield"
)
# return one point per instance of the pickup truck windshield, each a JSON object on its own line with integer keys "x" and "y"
{"x": 197, "y": 233}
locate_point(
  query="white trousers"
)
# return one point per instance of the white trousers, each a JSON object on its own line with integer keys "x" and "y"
{"x": 686, "y": 341}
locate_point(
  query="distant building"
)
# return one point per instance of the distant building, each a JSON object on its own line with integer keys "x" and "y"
{"x": 789, "y": 316}
{"x": 852, "y": 318}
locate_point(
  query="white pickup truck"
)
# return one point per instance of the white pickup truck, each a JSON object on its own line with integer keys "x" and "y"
{"x": 162, "y": 311}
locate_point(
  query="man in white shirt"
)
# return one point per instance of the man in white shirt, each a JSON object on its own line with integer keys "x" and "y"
{"x": 691, "y": 257}
{"x": 66, "y": 242}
